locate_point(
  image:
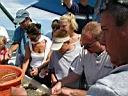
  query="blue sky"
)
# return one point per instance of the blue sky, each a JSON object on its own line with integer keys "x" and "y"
{"x": 37, "y": 15}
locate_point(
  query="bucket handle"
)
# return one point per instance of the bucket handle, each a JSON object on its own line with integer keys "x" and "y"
{"x": 7, "y": 76}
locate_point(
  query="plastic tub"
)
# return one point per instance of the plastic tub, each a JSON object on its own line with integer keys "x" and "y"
{"x": 9, "y": 76}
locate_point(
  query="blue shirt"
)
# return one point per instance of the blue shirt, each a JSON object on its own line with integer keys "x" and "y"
{"x": 115, "y": 84}
{"x": 80, "y": 9}
{"x": 20, "y": 36}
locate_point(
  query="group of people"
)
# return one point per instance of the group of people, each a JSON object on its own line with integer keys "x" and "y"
{"x": 114, "y": 26}
{"x": 98, "y": 56}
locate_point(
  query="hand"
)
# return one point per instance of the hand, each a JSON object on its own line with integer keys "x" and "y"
{"x": 66, "y": 91}
{"x": 54, "y": 82}
{"x": 44, "y": 71}
{"x": 56, "y": 89}
{"x": 9, "y": 54}
{"x": 20, "y": 91}
{"x": 34, "y": 72}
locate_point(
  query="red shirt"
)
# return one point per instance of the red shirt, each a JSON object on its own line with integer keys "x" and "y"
{"x": 2, "y": 54}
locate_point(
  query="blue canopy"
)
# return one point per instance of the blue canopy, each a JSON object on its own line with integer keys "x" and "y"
{"x": 55, "y": 6}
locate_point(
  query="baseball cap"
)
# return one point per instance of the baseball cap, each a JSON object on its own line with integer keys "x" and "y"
{"x": 58, "y": 42}
{"x": 3, "y": 32}
{"x": 21, "y": 15}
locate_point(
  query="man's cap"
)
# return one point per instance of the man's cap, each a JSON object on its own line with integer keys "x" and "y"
{"x": 21, "y": 15}
{"x": 58, "y": 42}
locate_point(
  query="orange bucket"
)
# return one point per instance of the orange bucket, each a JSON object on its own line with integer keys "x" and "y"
{"x": 9, "y": 76}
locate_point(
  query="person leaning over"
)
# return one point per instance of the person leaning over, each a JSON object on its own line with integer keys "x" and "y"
{"x": 64, "y": 52}
{"x": 93, "y": 61}
{"x": 20, "y": 36}
{"x": 114, "y": 23}
{"x": 37, "y": 52}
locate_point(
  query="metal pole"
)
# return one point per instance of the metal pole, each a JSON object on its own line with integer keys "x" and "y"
{"x": 7, "y": 13}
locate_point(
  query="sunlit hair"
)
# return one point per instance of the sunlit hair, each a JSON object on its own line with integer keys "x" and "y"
{"x": 3, "y": 40}
{"x": 70, "y": 18}
{"x": 94, "y": 28}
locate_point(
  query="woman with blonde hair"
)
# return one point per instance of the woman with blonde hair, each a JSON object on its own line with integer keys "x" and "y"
{"x": 68, "y": 23}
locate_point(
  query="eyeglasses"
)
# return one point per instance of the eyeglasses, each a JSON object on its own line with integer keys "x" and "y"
{"x": 89, "y": 45}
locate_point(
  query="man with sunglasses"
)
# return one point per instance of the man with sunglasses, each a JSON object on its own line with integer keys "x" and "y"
{"x": 20, "y": 37}
{"x": 93, "y": 60}
{"x": 115, "y": 28}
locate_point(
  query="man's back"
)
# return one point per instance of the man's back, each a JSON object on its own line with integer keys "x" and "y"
{"x": 106, "y": 86}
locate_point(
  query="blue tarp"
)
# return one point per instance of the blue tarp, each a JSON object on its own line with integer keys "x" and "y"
{"x": 55, "y": 6}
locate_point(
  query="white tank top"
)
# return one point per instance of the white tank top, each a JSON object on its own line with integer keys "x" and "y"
{"x": 38, "y": 58}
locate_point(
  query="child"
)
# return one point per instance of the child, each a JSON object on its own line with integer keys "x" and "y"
{"x": 3, "y": 50}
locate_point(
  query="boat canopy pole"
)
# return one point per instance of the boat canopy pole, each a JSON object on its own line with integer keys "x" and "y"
{"x": 7, "y": 13}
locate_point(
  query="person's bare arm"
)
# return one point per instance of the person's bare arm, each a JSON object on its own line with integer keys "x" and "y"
{"x": 18, "y": 91}
{"x": 27, "y": 58}
{"x": 72, "y": 77}
{"x": 53, "y": 79}
{"x": 72, "y": 92}
{"x": 13, "y": 48}
{"x": 68, "y": 3}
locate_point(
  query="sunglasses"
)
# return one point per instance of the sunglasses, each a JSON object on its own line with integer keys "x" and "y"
{"x": 89, "y": 45}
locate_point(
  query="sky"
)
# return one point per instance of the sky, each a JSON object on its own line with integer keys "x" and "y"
{"x": 39, "y": 16}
